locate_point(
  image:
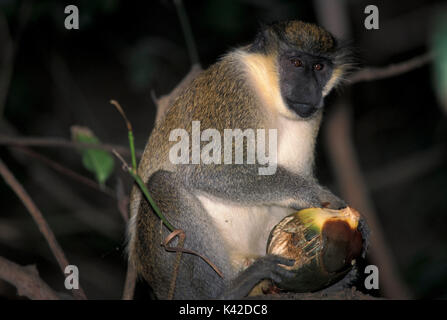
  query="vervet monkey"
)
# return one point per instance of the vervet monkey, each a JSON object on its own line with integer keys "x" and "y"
{"x": 227, "y": 210}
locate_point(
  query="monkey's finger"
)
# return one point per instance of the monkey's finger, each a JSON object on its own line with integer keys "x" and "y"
{"x": 279, "y": 274}
{"x": 280, "y": 260}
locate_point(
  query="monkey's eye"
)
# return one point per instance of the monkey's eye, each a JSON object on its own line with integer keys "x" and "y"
{"x": 296, "y": 62}
{"x": 318, "y": 66}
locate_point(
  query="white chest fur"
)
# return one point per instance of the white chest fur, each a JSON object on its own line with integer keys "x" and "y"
{"x": 296, "y": 143}
{"x": 245, "y": 230}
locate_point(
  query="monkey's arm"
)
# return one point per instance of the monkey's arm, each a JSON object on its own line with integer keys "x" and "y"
{"x": 242, "y": 184}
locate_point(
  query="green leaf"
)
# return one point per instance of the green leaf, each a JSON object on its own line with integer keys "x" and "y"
{"x": 439, "y": 47}
{"x": 97, "y": 161}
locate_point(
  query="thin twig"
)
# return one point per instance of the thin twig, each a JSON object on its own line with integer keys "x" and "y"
{"x": 129, "y": 134}
{"x": 59, "y": 142}
{"x": 40, "y": 221}
{"x": 131, "y": 274}
{"x": 178, "y": 257}
{"x": 26, "y": 280}
{"x": 187, "y": 32}
{"x": 180, "y": 250}
{"x": 144, "y": 190}
{"x": 7, "y": 58}
{"x": 371, "y": 73}
{"x": 65, "y": 171}
{"x": 10, "y": 48}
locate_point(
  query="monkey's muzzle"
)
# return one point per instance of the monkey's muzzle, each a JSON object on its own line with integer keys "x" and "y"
{"x": 304, "y": 110}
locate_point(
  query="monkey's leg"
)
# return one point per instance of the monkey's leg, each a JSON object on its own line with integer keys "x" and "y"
{"x": 196, "y": 279}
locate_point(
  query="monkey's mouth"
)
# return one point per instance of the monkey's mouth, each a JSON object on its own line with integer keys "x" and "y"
{"x": 304, "y": 110}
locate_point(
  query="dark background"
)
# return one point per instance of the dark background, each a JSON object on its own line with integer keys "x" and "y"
{"x": 125, "y": 49}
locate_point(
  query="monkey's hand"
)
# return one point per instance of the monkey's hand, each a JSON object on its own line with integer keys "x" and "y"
{"x": 328, "y": 200}
{"x": 266, "y": 267}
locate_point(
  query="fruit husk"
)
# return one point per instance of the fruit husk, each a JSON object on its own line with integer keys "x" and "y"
{"x": 323, "y": 242}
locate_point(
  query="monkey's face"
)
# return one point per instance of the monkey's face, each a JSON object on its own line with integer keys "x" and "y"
{"x": 302, "y": 80}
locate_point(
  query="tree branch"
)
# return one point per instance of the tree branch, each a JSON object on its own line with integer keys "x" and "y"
{"x": 62, "y": 143}
{"x": 9, "y": 49}
{"x": 40, "y": 221}
{"x": 26, "y": 280}
{"x": 65, "y": 171}
{"x": 187, "y": 32}
{"x": 372, "y": 73}
{"x": 355, "y": 191}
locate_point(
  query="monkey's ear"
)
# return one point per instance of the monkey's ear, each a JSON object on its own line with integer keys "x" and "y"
{"x": 266, "y": 38}
{"x": 260, "y": 42}
{"x": 262, "y": 39}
